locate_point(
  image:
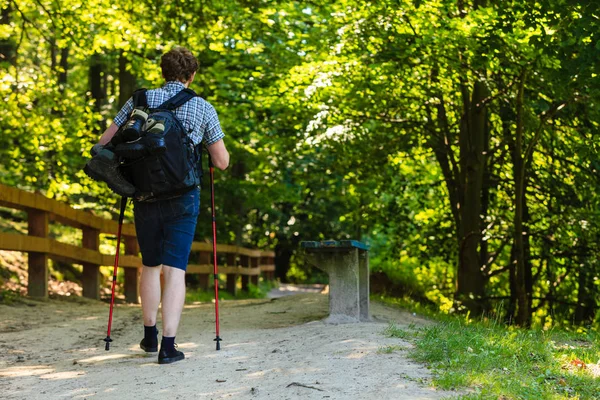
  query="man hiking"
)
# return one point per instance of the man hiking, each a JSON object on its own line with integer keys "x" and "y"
{"x": 165, "y": 225}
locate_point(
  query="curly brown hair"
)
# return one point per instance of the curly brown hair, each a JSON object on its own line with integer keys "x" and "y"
{"x": 178, "y": 64}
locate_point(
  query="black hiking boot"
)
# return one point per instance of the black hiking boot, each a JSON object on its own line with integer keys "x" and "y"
{"x": 149, "y": 145}
{"x": 104, "y": 167}
{"x": 169, "y": 356}
{"x": 150, "y": 341}
{"x": 148, "y": 349}
{"x": 133, "y": 127}
{"x": 97, "y": 148}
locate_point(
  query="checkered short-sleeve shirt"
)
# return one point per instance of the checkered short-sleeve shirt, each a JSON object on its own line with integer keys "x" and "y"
{"x": 199, "y": 117}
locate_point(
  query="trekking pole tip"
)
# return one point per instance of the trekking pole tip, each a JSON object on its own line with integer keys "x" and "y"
{"x": 218, "y": 340}
{"x": 107, "y": 340}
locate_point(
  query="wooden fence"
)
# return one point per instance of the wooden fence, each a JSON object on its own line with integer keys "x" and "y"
{"x": 239, "y": 262}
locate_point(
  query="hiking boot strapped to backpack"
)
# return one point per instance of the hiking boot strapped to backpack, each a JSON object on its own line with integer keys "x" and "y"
{"x": 159, "y": 158}
{"x": 163, "y": 162}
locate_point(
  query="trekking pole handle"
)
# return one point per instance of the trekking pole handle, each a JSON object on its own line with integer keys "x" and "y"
{"x": 210, "y": 163}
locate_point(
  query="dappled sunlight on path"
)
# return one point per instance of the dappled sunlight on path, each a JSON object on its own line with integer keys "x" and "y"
{"x": 278, "y": 348}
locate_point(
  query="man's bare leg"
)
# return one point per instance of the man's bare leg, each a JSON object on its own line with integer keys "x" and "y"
{"x": 150, "y": 293}
{"x": 173, "y": 299}
{"x": 172, "y": 306}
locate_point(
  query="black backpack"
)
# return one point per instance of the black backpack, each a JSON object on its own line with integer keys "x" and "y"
{"x": 175, "y": 171}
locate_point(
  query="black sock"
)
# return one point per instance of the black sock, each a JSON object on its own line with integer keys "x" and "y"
{"x": 150, "y": 336}
{"x": 168, "y": 344}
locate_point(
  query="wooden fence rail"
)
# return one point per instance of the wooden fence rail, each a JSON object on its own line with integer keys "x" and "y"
{"x": 239, "y": 262}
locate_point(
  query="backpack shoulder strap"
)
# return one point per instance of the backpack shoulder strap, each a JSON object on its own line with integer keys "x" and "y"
{"x": 178, "y": 100}
{"x": 140, "y": 99}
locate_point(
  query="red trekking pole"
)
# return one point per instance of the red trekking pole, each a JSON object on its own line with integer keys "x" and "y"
{"x": 211, "y": 167}
{"x": 115, "y": 268}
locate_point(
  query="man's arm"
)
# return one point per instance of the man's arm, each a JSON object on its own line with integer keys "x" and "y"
{"x": 219, "y": 155}
{"x": 108, "y": 134}
{"x": 120, "y": 119}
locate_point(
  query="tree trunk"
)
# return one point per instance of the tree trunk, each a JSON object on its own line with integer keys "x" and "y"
{"x": 464, "y": 181}
{"x": 8, "y": 47}
{"x": 507, "y": 117}
{"x": 546, "y": 258}
{"x": 64, "y": 66}
{"x": 485, "y": 204}
{"x": 96, "y": 81}
{"x": 511, "y": 309}
{"x": 53, "y": 56}
{"x": 470, "y": 278}
{"x": 126, "y": 81}
{"x": 283, "y": 255}
{"x": 586, "y": 294}
{"x": 583, "y": 311}
{"x": 441, "y": 139}
{"x": 527, "y": 248}
{"x": 523, "y": 299}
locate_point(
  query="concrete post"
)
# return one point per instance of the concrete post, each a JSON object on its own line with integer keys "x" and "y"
{"x": 364, "y": 287}
{"x": 347, "y": 264}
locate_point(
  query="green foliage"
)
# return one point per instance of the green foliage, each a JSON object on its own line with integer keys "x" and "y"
{"x": 345, "y": 119}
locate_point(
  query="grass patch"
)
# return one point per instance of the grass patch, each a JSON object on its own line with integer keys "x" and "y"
{"x": 393, "y": 331}
{"x": 389, "y": 349}
{"x": 510, "y": 363}
{"x": 9, "y": 297}
{"x": 499, "y": 362}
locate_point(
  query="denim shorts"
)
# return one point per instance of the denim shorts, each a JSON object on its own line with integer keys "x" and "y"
{"x": 165, "y": 229}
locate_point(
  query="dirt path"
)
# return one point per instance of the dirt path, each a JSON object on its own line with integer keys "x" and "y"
{"x": 272, "y": 349}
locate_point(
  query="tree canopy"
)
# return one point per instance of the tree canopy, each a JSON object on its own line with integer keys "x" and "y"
{"x": 458, "y": 138}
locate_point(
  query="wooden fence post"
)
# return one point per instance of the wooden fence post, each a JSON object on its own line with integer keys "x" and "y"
{"x": 254, "y": 263}
{"x": 205, "y": 258}
{"x": 132, "y": 275}
{"x": 245, "y": 262}
{"x": 40, "y": 248}
{"x": 267, "y": 260}
{"x": 37, "y": 284}
{"x": 272, "y": 273}
{"x": 232, "y": 277}
{"x": 90, "y": 279}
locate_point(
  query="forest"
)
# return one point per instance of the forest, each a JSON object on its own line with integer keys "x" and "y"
{"x": 458, "y": 138}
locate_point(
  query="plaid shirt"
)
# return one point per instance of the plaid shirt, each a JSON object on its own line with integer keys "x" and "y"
{"x": 199, "y": 117}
